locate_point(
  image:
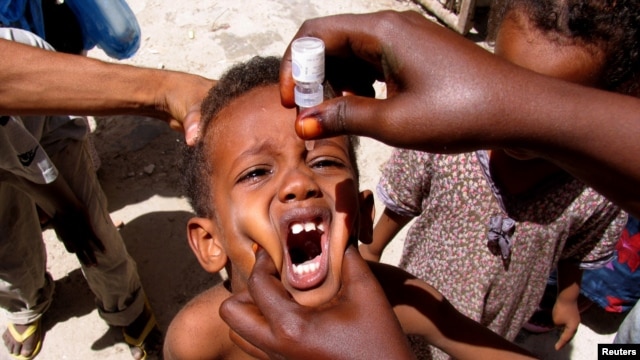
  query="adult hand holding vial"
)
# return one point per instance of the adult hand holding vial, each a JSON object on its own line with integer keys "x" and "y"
{"x": 307, "y": 56}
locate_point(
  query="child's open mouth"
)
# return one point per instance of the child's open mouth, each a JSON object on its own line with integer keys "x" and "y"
{"x": 306, "y": 246}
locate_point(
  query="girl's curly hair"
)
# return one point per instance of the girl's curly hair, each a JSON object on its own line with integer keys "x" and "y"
{"x": 611, "y": 25}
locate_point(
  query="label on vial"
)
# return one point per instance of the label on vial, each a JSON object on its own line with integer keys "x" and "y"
{"x": 307, "y": 57}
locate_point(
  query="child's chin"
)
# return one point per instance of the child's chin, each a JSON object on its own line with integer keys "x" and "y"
{"x": 316, "y": 296}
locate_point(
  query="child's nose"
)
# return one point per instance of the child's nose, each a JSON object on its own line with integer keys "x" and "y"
{"x": 298, "y": 186}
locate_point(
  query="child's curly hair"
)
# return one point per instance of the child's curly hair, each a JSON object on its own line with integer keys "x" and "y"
{"x": 611, "y": 25}
{"x": 237, "y": 81}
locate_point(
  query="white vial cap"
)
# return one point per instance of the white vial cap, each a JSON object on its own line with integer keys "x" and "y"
{"x": 307, "y": 57}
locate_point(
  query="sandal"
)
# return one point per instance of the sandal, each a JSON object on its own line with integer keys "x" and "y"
{"x": 149, "y": 339}
{"x": 32, "y": 330}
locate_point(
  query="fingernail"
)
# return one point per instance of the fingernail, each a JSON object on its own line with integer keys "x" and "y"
{"x": 254, "y": 247}
{"x": 308, "y": 127}
{"x": 192, "y": 133}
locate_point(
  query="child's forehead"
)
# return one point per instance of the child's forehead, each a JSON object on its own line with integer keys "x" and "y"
{"x": 259, "y": 107}
{"x": 256, "y": 122}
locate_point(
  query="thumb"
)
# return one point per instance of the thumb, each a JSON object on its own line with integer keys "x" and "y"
{"x": 357, "y": 277}
{"x": 191, "y": 125}
{"x": 344, "y": 115}
{"x": 567, "y": 334}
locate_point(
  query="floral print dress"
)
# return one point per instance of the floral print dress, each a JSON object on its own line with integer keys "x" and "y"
{"x": 489, "y": 255}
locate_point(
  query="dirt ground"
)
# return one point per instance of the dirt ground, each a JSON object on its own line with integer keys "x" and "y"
{"x": 140, "y": 162}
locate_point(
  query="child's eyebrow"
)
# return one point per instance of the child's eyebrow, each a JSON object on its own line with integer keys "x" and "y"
{"x": 262, "y": 147}
{"x": 270, "y": 146}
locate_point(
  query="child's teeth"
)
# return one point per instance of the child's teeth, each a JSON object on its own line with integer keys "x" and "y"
{"x": 297, "y": 228}
{"x": 309, "y": 226}
{"x": 306, "y": 268}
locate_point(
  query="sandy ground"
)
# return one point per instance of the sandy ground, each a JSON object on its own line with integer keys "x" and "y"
{"x": 140, "y": 161}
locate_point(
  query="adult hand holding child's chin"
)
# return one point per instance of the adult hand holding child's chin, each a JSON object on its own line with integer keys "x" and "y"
{"x": 267, "y": 317}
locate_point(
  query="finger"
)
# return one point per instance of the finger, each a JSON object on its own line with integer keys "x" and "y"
{"x": 357, "y": 278}
{"x": 565, "y": 337}
{"x": 267, "y": 290}
{"x": 353, "y": 265}
{"x": 347, "y": 115}
{"x": 192, "y": 125}
{"x": 248, "y": 327}
{"x": 175, "y": 125}
{"x": 286, "y": 80}
{"x": 246, "y": 346}
{"x": 250, "y": 314}
{"x": 359, "y": 284}
{"x": 352, "y": 76}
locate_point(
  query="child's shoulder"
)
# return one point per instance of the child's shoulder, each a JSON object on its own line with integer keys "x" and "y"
{"x": 197, "y": 331}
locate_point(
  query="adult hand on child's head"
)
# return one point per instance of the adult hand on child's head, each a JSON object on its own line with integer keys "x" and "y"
{"x": 430, "y": 73}
{"x": 181, "y": 102}
{"x": 73, "y": 227}
{"x": 357, "y": 324}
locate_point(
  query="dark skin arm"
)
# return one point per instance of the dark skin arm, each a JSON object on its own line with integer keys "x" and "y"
{"x": 422, "y": 310}
{"x": 447, "y": 95}
{"x": 267, "y": 317}
{"x": 41, "y": 82}
{"x": 69, "y": 216}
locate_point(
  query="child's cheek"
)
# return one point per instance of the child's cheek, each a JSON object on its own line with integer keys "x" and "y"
{"x": 255, "y": 225}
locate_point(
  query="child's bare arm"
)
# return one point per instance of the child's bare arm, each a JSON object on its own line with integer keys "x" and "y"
{"x": 197, "y": 332}
{"x": 385, "y": 230}
{"x": 422, "y": 310}
{"x": 565, "y": 311}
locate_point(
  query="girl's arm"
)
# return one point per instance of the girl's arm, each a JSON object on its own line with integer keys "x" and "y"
{"x": 565, "y": 311}
{"x": 422, "y": 310}
{"x": 385, "y": 230}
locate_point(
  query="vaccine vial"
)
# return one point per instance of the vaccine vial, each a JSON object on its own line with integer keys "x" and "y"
{"x": 307, "y": 57}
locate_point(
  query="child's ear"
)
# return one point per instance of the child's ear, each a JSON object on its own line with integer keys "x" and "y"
{"x": 367, "y": 214}
{"x": 205, "y": 243}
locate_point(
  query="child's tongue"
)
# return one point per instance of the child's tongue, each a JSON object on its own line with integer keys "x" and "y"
{"x": 307, "y": 260}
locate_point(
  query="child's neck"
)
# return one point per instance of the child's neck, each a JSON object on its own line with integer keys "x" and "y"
{"x": 519, "y": 176}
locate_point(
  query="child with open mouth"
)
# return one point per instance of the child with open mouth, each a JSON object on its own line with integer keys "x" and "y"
{"x": 254, "y": 184}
